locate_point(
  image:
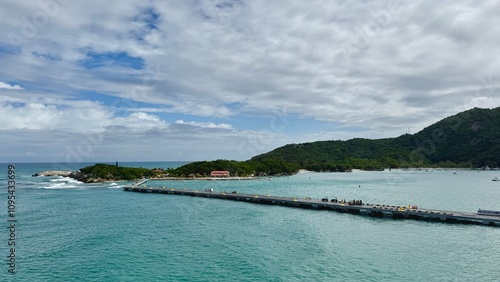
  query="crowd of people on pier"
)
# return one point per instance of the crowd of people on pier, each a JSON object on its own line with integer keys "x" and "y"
{"x": 343, "y": 201}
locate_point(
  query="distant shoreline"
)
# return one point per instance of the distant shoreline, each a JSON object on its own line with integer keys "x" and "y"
{"x": 208, "y": 178}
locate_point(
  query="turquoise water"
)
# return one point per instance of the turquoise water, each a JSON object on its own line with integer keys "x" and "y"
{"x": 69, "y": 231}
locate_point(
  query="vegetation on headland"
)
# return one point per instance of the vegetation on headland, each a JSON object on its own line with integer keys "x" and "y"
{"x": 106, "y": 172}
{"x": 235, "y": 168}
{"x": 466, "y": 140}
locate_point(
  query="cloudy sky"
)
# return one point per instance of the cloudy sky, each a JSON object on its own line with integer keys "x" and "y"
{"x": 207, "y": 79}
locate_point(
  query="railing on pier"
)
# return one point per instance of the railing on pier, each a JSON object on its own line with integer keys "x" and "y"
{"x": 377, "y": 210}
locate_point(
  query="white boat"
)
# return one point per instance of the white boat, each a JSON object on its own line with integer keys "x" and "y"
{"x": 496, "y": 179}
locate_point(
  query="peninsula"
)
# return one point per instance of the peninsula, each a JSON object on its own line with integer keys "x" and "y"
{"x": 106, "y": 172}
{"x": 466, "y": 140}
{"x": 102, "y": 173}
{"x": 63, "y": 173}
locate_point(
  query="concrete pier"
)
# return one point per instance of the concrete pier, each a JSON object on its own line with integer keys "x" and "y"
{"x": 376, "y": 210}
{"x": 140, "y": 182}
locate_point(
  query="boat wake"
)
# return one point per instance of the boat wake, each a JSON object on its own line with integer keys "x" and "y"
{"x": 115, "y": 186}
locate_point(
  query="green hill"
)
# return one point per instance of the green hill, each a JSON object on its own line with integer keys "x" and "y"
{"x": 472, "y": 136}
{"x": 235, "y": 168}
{"x": 106, "y": 172}
{"x": 468, "y": 139}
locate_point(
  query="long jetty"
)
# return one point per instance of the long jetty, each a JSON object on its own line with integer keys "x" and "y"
{"x": 375, "y": 210}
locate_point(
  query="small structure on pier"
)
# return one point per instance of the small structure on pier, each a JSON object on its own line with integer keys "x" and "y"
{"x": 486, "y": 217}
{"x": 219, "y": 173}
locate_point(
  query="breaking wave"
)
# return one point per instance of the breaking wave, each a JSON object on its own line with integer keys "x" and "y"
{"x": 115, "y": 185}
{"x": 63, "y": 183}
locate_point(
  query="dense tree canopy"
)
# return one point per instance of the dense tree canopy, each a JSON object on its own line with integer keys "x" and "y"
{"x": 468, "y": 139}
{"x": 113, "y": 172}
{"x": 236, "y": 168}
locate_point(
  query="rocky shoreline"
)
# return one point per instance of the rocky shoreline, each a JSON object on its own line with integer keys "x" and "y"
{"x": 208, "y": 178}
{"x": 63, "y": 173}
{"x": 86, "y": 178}
{"x": 77, "y": 175}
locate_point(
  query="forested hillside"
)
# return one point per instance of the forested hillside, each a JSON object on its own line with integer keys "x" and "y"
{"x": 468, "y": 139}
{"x": 236, "y": 168}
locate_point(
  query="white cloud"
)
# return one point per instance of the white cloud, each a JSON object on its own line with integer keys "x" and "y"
{"x": 205, "y": 124}
{"x": 38, "y": 116}
{"x": 138, "y": 122}
{"x": 377, "y": 66}
{"x": 7, "y": 86}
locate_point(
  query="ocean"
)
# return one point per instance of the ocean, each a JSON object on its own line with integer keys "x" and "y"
{"x": 69, "y": 231}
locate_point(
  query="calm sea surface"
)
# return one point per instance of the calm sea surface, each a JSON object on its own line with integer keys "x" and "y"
{"x": 69, "y": 231}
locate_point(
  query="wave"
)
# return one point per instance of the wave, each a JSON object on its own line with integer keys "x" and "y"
{"x": 59, "y": 186}
{"x": 57, "y": 179}
{"x": 64, "y": 179}
{"x": 60, "y": 182}
{"x": 115, "y": 185}
{"x": 63, "y": 183}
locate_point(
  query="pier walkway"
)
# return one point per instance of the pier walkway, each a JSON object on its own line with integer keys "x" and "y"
{"x": 140, "y": 182}
{"x": 376, "y": 210}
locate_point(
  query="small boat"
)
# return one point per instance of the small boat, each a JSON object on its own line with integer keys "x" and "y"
{"x": 496, "y": 179}
{"x": 454, "y": 172}
{"x": 488, "y": 212}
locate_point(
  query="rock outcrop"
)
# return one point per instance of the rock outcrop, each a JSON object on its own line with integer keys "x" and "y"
{"x": 64, "y": 173}
{"x": 77, "y": 175}
{"x": 86, "y": 178}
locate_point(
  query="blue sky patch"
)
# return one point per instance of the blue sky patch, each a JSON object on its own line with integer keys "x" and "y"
{"x": 235, "y": 105}
{"x": 15, "y": 104}
{"x": 224, "y": 5}
{"x": 9, "y": 49}
{"x": 46, "y": 56}
{"x": 96, "y": 60}
{"x": 229, "y": 4}
{"x": 149, "y": 18}
{"x": 122, "y": 106}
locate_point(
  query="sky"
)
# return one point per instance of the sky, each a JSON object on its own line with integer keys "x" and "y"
{"x": 189, "y": 80}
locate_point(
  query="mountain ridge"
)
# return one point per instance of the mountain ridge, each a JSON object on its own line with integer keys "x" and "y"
{"x": 467, "y": 139}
